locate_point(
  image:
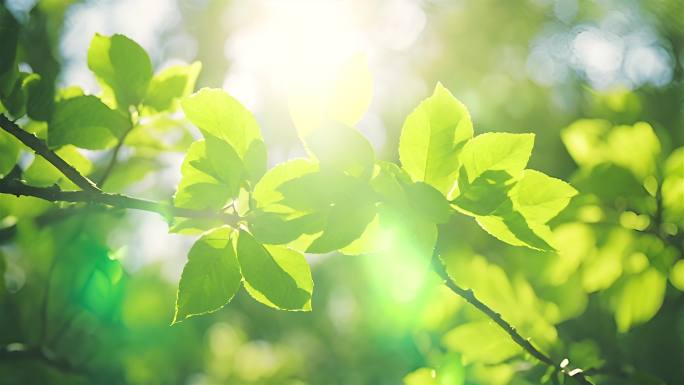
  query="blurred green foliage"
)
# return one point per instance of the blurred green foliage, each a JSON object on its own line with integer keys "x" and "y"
{"x": 73, "y": 309}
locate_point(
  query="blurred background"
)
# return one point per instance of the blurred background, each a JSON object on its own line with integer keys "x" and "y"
{"x": 519, "y": 66}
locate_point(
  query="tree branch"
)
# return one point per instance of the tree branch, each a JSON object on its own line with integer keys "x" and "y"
{"x": 525, "y": 344}
{"x": 55, "y": 194}
{"x": 42, "y": 149}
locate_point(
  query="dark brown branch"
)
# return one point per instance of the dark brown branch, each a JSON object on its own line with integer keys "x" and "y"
{"x": 525, "y": 344}
{"x": 42, "y": 149}
{"x": 54, "y": 194}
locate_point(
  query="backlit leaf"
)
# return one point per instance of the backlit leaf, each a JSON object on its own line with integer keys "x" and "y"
{"x": 210, "y": 278}
{"x": 432, "y": 137}
{"x": 122, "y": 67}
{"x": 275, "y": 276}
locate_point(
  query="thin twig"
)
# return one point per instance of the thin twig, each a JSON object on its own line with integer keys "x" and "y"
{"x": 42, "y": 149}
{"x": 55, "y": 194}
{"x": 112, "y": 161}
{"x": 525, "y": 344}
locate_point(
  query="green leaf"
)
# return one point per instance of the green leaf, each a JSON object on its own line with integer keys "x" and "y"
{"x": 275, "y": 276}
{"x": 210, "y": 278}
{"x": 677, "y": 275}
{"x": 218, "y": 114}
{"x": 428, "y": 202}
{"x": 9, "y": 152}
{"x": 432, "y": 137}
{"x": 539, "y": 197}
{"x": 171, "y": 85}
{"x": 511, "y": 227}
{"x": 16, "y": 101}
{"x": 85, "y": 122}
{"x": 673, "y": 188}
{"x": 342, "y": 205}
{"x": 421, "y": 376}
{"x": 271, "y": 221}
{"x": 591, "y": 142}
{"x": 266, "y": 192}
{"x": 40, "y": 99}
{"x": 122, "y": 67}
{"x": 201, "y": 187}
{"x": 496, "y": 151}
{"x": 43, "y": 174}
{"x": 629, "y": 301}
{"x": 342, "y": 149}
{"x": 485, "y": 194}
{"x": 9, "y": 35}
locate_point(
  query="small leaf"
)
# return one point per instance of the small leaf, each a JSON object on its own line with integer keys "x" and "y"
{"x": 539, "y": 197}
{"x": 275, "y": 276}
{"x": 210, "y": 278}
{"x": 201, "y": 187}
{"x": 9, "y": 152}
{"x": 171, "y": 85}
{"x": 432, "y": 138}
{"x": 267, "y": 191}
{"x": 496, "y": 152}
{"x": 85, "y": 122}
{"x": 513, "y": 229}
{"x": 121, "y": 66}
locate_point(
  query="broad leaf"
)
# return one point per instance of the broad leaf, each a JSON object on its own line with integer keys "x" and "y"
{"x": 122, "y": 67}
{"x": 432, "y": 137}
{"x": 275, "y": 276}
{"x": 85, "y": 122}
{"x": 210, "y": 278}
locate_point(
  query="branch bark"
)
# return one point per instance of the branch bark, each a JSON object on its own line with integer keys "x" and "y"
{"x": 55, "y": 194}
{"x": 524, "y": 343}
{"x": 42, "y": 149}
